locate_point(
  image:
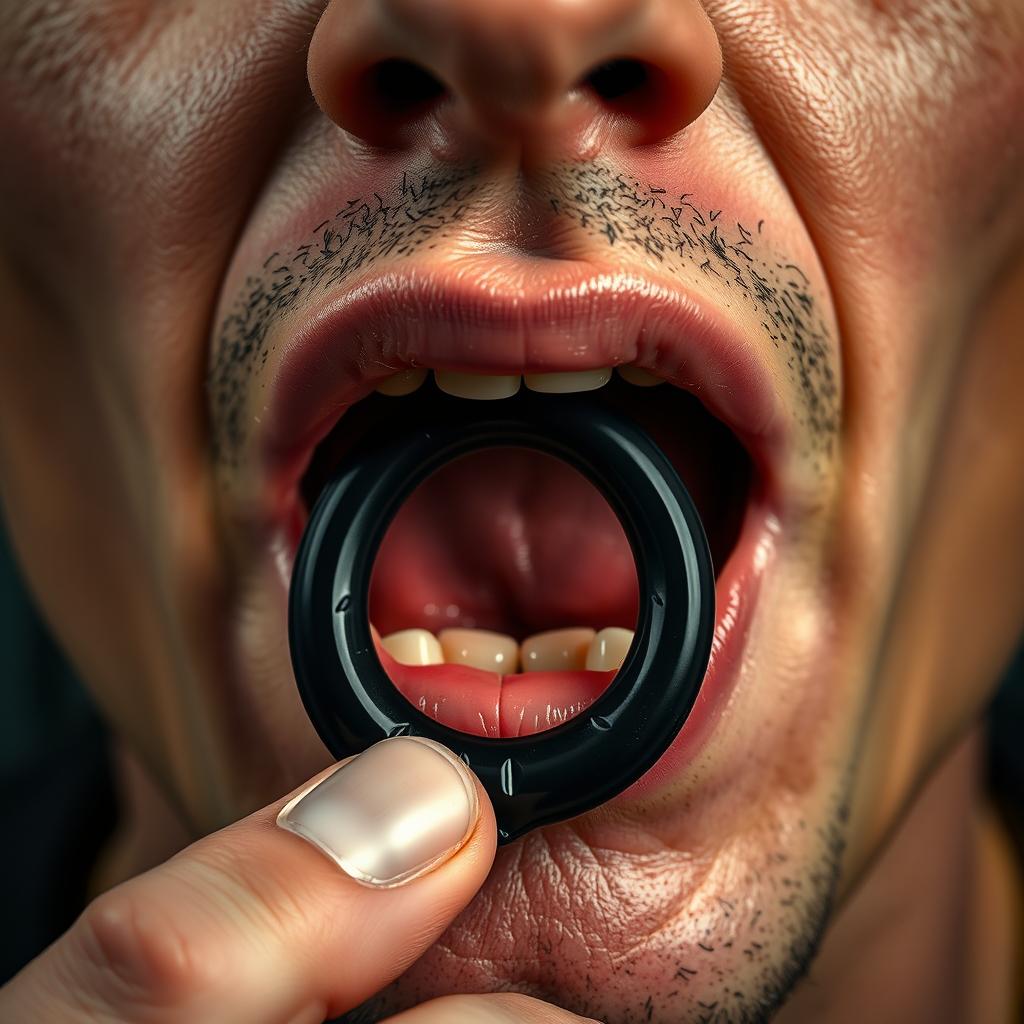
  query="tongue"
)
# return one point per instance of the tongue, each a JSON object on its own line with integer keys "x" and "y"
{"x": 486, "y": 704}
{"x": 509, "y": 540}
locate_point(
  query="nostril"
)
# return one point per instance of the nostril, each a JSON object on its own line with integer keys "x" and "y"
{"x": 461, "y": 76}
{"x": 618, "y": 79}
{"x": 640, "y": 92}
{"x": 400, "y": 87}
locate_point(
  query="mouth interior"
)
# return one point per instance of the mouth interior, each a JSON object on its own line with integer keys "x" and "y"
{"x": 518, "y": 543}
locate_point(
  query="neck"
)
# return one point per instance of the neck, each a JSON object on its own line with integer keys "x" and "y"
{"x": 932, "y": 933}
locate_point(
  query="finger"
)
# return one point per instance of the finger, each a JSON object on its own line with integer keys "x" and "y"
{"x": 503, "y": 1008}
{"x": 254, "y": 925}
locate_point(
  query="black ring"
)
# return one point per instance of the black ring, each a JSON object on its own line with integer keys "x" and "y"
{"x": 553, "y": 775}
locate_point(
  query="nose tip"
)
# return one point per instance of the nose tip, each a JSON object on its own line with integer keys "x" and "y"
{"x": 554, "y": 74}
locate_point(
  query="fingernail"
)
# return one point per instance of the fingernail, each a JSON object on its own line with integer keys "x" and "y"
{"x": 393, "y": 813}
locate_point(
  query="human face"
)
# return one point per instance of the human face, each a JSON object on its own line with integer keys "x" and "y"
{"x": 222, "y": 227}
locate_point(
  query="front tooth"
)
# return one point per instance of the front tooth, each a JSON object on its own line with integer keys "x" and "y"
{"x": 563, "y": 383}
{"x": 608, "y": 649}
{"x": 556, "y": 650}
{"x": 413, "y": 647}
{"x": 480, "y": 648}
{"x": 404, "y": 382}
{"x": 476, "y": 385}
{"x": 639, "y": 377}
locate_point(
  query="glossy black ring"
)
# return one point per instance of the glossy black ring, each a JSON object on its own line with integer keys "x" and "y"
{"x": 553, "y": 775}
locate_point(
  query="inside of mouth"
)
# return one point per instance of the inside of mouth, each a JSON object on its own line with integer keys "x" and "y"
{"x": 504, "y": 594}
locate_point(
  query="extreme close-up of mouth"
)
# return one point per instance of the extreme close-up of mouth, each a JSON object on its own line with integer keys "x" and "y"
{"x": 426, "y": 411}
{"x": 510, "y": 509}
{"x": 504, "y": 596}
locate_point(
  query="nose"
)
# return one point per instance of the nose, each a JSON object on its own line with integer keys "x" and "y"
{"x": 571, "y": 75}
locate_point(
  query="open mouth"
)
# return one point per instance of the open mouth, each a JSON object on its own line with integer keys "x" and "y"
{"x": 513, "y": 545}
{"x": 504, "y": 594}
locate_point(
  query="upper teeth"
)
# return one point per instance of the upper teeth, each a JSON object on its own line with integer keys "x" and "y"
{"x": 476, "y": 385}
{"x": 563, "y": 383}
{"x": 553, "y": 650}
{"x": 494, "y": 386}
{"x": 639, "y": 376}
{"x": 403, "y": 383}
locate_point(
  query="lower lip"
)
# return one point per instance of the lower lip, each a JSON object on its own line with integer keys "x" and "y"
{"x": 736, "y": 592}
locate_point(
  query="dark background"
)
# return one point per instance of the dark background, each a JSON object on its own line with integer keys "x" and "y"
{"x": 56, "y": 780}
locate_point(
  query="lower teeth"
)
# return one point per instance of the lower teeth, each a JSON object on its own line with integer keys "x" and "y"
{"x": 574, "y": 649}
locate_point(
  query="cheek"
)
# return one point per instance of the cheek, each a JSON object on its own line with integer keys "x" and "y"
{"x": 957, "y": 614}
{"x": 276, "y": 747}
{"x": 63, "y": 487}
{"x": 877, "y": 114}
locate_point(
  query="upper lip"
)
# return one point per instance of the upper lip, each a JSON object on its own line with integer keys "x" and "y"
{"x": 570, "y": 321}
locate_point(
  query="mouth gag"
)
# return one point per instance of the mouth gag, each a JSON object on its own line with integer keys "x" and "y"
{"x": 577, "y": 765}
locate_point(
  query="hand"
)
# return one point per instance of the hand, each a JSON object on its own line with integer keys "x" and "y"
{"x": 254, "y": 925}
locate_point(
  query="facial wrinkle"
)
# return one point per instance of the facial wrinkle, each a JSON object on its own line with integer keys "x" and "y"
{"x": 673, "y": 230}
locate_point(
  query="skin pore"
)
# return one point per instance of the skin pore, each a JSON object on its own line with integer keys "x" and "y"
{"x": 851, "y": 196}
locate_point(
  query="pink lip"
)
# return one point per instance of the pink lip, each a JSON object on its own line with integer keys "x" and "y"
{"x": 574, "y": 321}
{"x": 736, "y": 593}
{"x": 584, "y": 321}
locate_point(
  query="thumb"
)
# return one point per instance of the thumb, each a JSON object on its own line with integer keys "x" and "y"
{"x": 251, "y": 924}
